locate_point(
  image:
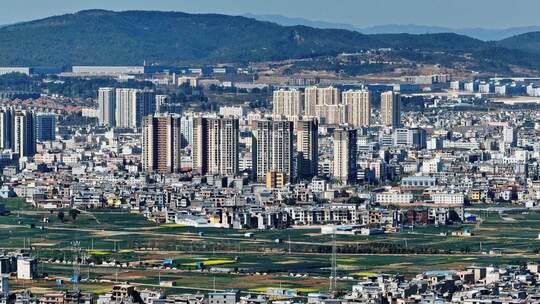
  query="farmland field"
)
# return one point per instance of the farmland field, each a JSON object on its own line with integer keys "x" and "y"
{"x": 300, "y": 259}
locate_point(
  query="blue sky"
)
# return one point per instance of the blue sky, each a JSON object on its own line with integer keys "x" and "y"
{"x": 449, "y": 13}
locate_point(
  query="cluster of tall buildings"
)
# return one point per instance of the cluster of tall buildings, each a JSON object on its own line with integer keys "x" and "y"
{"x": 215, "y": 146}
{"x": 125, "y": 107}
{"x": 284, "y": 147}
{"x": 333, "y": 107}
{"x": 21, "y": 129}
{"x": 281, "y": 150}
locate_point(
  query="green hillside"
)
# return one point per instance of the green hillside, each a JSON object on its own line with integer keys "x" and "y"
{"x": 98, "y": 37}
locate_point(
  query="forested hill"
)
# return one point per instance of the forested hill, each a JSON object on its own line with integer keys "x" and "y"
{"x": 98, "y": 37}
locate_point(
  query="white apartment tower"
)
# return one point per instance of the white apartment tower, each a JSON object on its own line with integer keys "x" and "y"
{"x": 107, "y": 107}
{"x": 160, "y": 99}
{"x": 132, "y": 105}
{"x": 186, "y": 128}
{"x": 510, "y": 136}
{"x": 24, "y": 138}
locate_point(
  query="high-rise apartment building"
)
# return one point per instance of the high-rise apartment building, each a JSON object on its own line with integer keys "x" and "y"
{"x": 272, "y": 147}
{"x": 132, "y": 105}
{"x": 107, "y": 107}
{"x": 287, "y": 102}
{"x": 161, "y": 143}
{"x": 345, "y": 155}
{"x": 45, "y": 126}
{"x": 125, "y": 108}
{"x": 314, "y": 96}
{"x": 310, "y": 101}
{"x": 510, "y": 136}
{"x": 215, "y": 145}
{"x": 160, "y": 99}
{"x": 24, "y": 138}
{"x": 307, "y": 146}
{"x": 329, "y": 96}
{"x": 7, "y": 120}
{"x": 358, "y": 107}
{"x": 391, "y": 109}
{"x": 186, "y": 128}
{"x": 335, "y": 114}
{"x": 415, "y": 138}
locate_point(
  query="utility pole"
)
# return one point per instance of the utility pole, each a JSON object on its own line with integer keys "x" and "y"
{"x": 289, "y": 244}
{"x": 76, "y": 265}
{"x": 333, "y": 272}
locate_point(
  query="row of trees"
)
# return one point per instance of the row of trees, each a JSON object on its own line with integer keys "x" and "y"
{"x": 382, "y": 248}
{"x": 72, "y": 213}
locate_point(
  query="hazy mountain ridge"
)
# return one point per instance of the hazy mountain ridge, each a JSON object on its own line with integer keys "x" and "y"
{"x": 478, "y": 33}
{"x": 99, "y": 37}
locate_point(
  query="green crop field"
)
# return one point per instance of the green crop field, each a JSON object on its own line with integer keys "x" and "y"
{"x": 255, "y": 263}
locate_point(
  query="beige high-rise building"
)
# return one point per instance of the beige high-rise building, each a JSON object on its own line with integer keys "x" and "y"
{"x": 334, "y": 114}
{"x": 310, "y": 101}
{"x": 287, "y": 102}
{"x": 307, "y": 146}
{"x": 272, "y": 147}
{"x": 215, "y": 145}
{"x": 391, "y": 109}
{"x": 358, "y": 107}
{"x": 329, "y": 96}
{"x": 345, "y": 155}
{"x": 107, "y": 107}
{"x": 315, "y": 96}
{"x": 325, "y": 104}
{"x": 161, "y": 143}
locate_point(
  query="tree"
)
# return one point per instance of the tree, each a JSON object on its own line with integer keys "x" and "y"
{"x": 355, "y": 200}
{"x": 61, "y": 215}
{"x": 73, "y": 213}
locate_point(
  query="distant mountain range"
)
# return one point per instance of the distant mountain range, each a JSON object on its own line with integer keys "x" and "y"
{"x": 478, "y": 33}
{"x": 99, "y": 37}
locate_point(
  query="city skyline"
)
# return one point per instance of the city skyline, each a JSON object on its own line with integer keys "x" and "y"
{"x": 153, "y": 155}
